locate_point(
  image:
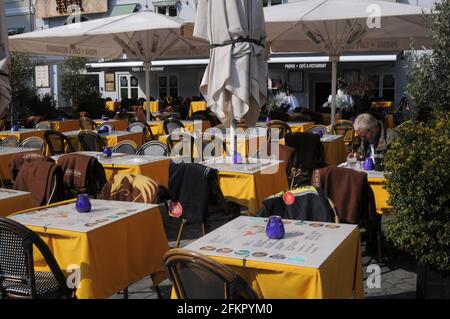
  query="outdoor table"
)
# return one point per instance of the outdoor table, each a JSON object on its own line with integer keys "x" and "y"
{"x": 300, "y": 127}
{"x": 313, "y": 261}
{"x": 112, "y": 106}
{"x": 112, "y": 138}
{"x": 377, "y": 182}
{"x": 119, "y": 125}
{"x": 247, "y": 144}
{"x": 154, "y": 167}
{"x": 250, "y": 184}
{"x": 7, "y": 154}
{"x": 65, "y": 125}
{"x": 157, "y": 127}
{"x": 197, "y": 106}
{"x": 12, "y": 201}
{"x": 23, "y": 133}
{"x": 334, "y": 148}
{"x": 327, "y": 118}
{"x": 113, "y": 246}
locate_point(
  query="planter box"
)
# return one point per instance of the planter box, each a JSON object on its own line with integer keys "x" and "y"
{"x": 431, "y": 283}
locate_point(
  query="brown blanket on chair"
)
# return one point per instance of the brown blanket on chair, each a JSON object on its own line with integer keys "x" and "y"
{"x": 348, "y": 189}
{"x": 75, "y": 168}
{"x": 18, "y": 160}
{"x": 38, "y": 178}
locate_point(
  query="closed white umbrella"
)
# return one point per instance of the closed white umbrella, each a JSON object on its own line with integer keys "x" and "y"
{"x": 234, "y": 83}
{"x": 338, "y": 26}
{"x": 5, "y": 89}
{"x": 142, "y": 35}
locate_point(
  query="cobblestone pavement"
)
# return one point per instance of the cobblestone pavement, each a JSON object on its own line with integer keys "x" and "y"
{"x": 397, "y": 280}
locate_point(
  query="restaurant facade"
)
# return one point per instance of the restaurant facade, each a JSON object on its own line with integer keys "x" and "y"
{"x": 308, "y": 76}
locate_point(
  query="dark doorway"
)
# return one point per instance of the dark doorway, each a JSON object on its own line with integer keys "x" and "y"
{"x": 93, "y": 80}
{"x": 322, "y": 92}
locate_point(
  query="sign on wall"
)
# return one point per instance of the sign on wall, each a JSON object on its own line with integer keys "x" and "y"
{"x": 42, "y": 76}
{"x": 61, "y": 8}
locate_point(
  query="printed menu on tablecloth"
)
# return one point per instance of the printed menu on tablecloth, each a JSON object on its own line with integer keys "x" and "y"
{"x": 250, "y": 167}
{"x": 65, "y": 217}
{"x": 9, "y": 193}
{"x": 306, "y": 244}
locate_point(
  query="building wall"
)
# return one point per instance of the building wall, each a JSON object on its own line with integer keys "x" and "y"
{"x": 18, "y": 14}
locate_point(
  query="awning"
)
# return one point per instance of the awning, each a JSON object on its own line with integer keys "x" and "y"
{"x": 165, "y": 3}
{"x": 122, "y": 9}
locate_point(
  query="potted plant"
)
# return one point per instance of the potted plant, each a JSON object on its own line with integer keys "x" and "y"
{"x": 418, "y": 181}
{"x": 359, "y": 91}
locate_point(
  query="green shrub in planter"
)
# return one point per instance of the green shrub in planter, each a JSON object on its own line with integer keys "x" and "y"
{"x": 418, "y": 180}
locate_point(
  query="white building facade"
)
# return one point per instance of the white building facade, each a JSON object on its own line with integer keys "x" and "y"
{"x": 309, "y": 77}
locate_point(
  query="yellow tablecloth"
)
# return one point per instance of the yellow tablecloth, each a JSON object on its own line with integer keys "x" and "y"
{"x": 15, "y": 204}
{"x": 339, "y": 277}
{"x": 250, "y": 190}
{"x": 158, "y": 171}
{"x": 197, "y": 106}
{"x": 110, "y": 257}
{"x": 112, "y": 106}
{"x": 381, "y": 194}
{"x": 23, "y": 134}
{"x": 300, "y": 127}
{"x": 5, "y": 159}
{"x": 65, "y": 126}
{"x": 190, "y": 126}
{"x": 119, "y": 125}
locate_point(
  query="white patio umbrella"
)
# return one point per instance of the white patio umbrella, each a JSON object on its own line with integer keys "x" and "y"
{"x": 234, "y": 83}
{"x": 142, "y": 36}
{"x": 5, "y": 89}
{"x": 335, "y": 27}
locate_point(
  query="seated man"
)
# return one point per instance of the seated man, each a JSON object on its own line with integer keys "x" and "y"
{"x": 375, "y": 138}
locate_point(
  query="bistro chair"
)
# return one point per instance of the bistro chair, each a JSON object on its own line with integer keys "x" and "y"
{"x": 195, "y": 276}
{"x": 125, "y": 147}
{"x": 153, "y": 148}
{"x": 18, "y": 278}
{"x": 91, "y": 141}
{"x": 2, "y": 125}
{"x": 45, "y": 125}
{"x": 87, "y": 124}
{"x": 172, "y": 124}
{"x": 50, "y": 188}
{"x": 211, "y": 144}
{"x": 32, "y": 121}
{"x": 181, "y": 144}
{"x": 141, "y": 127}
{"x": 346, "y": 129}
{"x": 317, "y": 129}
{"x": 283, "y": 128}
{"x": 33, "y": 142}
{"x": 10, "y": 141}
{"x": 58, "y": 143}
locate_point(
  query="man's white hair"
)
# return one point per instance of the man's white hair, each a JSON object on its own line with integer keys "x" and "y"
{"x": 365, "y": 121}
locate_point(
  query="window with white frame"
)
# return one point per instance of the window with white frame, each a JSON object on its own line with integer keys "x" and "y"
{"x": 268, "y": 3}
{"x": 167, "y": 86}
{"x": 382, "y": 86}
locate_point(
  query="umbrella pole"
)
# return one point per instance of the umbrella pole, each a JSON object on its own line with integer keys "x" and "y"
{"x": 232, "y": 136}
{"x": 147, "y": 89}
{"x": 334, "y": 61}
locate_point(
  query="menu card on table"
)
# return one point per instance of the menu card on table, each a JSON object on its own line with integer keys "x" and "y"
{"x": 9, "y": 193}
{"x": 65, "y": 217}
{"x": 306, "y": 244}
